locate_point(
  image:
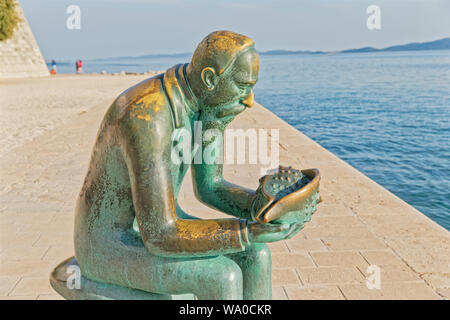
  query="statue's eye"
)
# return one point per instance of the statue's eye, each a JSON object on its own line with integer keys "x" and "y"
{"x": 243, "y": 87}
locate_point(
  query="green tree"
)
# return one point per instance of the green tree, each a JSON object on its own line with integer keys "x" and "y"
{"x": 8, "y": 19}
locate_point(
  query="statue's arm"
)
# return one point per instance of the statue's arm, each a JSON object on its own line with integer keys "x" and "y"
{"x": 147, "y": 153}
{"x": 213, "y": 190}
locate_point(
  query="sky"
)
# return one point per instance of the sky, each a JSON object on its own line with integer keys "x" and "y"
{"x": 113, "y": 28}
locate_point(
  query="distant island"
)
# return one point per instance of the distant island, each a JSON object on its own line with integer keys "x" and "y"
{"x": 442, "y": 44}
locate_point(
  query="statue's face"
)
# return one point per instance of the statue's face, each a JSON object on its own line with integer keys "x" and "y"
{"x": 232, "y": 91}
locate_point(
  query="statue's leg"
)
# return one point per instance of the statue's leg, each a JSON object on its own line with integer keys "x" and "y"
{"x": 130, "y": 266}
{"x": 256, "y": 265}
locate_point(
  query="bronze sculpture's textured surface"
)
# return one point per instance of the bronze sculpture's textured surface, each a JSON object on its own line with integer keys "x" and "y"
{"x": 130, "y": 232}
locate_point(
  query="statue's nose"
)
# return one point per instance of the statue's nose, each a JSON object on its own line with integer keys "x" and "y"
{"x": 249, "y": 100}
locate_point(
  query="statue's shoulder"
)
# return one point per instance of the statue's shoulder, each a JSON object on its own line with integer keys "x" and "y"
{"x": 145, "y": 101}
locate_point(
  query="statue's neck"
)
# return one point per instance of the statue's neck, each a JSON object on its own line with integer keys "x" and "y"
{"x": 192, "y": 105}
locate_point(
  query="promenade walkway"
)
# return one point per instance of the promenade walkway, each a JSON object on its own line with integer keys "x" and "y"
{"x": 358, "y": 224}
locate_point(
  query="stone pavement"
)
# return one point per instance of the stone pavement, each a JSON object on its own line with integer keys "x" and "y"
{"x": 358, "y": 224}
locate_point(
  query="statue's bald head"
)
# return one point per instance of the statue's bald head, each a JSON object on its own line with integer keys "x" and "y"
{"x": 218, "y": 50}
{"x": 223, "y": 70}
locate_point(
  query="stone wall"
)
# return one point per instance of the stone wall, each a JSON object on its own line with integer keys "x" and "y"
{"x": 20, "y": 56}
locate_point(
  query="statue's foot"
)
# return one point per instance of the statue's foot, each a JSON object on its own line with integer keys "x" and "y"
{"x": 67, "y": 280}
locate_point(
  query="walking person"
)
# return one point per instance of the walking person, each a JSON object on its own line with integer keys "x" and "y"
{"x": 79, "y": 66}
{"x": 53, "y": 70}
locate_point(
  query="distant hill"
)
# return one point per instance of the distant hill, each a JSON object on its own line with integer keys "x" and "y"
{"x": 147, "y": 56}
{"x": 287, "y": 52}
{"x": 442, "y": 44}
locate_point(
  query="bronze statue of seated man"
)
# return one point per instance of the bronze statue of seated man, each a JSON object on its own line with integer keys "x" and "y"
{"x": 129, "y": 230}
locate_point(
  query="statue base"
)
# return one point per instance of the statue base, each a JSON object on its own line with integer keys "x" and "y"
{"x": 95, "y": 290}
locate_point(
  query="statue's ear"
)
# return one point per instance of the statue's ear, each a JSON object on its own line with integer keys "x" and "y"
{"x": 208, "y": 78}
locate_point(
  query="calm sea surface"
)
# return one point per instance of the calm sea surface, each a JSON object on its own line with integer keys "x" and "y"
{"x": 387, "y": 114}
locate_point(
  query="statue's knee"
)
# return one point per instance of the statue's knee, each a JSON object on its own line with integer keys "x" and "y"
{"x": 260, "y": 252}
{"x": 223, "y": 280}
{"x": 230, "y": 275}
{"x": 220, "y": 281}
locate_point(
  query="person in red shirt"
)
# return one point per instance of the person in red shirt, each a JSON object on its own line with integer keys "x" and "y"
{"x": 79, "y": 66}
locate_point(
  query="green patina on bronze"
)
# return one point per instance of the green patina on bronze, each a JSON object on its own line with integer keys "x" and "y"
{"x": 132, "y": 239}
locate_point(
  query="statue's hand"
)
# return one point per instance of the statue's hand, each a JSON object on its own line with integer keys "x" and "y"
{"x": 271, "y": 232}
{"x": 295, "y": 228}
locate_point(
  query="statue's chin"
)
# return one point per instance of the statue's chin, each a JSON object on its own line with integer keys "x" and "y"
{"x": 220, "y": 116}
{"x": 230, "y": 111}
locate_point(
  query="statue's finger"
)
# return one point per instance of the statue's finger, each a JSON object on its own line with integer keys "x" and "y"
{"x": 280, "y": 228}
{"x": 295, "y": 231}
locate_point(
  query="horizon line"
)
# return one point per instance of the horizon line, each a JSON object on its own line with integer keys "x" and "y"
{"x": 272, "y": 51}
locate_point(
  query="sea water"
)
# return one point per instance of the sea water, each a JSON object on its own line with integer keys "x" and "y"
{"x": 387, "y": 114}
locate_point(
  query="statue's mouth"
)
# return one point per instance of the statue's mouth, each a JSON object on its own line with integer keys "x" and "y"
{"x": 231, "y": 111}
